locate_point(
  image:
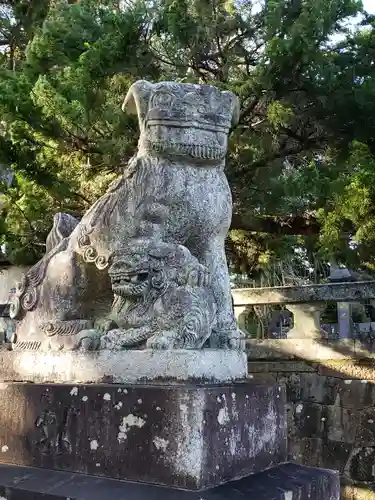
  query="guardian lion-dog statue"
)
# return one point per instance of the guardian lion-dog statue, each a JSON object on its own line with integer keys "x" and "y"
{"x": 174, "y": 194}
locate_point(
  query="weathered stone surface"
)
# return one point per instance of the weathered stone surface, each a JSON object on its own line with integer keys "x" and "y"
{"x": 309, "y": 387}
{"x": 123, "y": 366}
{"x": 154, "y": 240}
{"x": 318, "y": 389}
{"x": 315, "y": 452}
{"x": 264, "y": 378}
{"x": 342, "y": 424}
{"x": 183, "y": 435}
{"x": 366, "y": 429}
{"x": 361, "y": 465}
{"x": 342, "y": 434}
{"x": 356, "y": 394}
{"x": 336, "y": 292}
{"x": 287, "y": 482}
{"x": 310, "y": 419}
{"x": 306, "y": 450}
{"x": 293, "y": 386}
{"x": 292, "y": 430}
{"x": 335, "y": 455}
{"x": 310, "y": 350}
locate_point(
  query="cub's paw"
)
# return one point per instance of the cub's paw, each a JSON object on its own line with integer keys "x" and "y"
{"x": 162, "y": 340}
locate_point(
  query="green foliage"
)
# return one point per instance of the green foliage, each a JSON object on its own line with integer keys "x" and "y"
{"x": 63, "y": 130}
{"x": 304, "y": 145}
{"x": 352, "y": 200}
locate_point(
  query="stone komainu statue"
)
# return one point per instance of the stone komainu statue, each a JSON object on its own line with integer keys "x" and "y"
{"x": 162, "y": 298}
{"x": 174, "y": 197}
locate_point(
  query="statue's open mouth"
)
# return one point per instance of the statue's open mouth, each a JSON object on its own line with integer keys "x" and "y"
{"x": 125, "y": 284}
{"x": 126, "y": 278}
{"x": 201, "y": 152}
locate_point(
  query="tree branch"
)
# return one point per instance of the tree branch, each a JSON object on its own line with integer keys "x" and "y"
{"x": 286, "y": 226}
{"x": 277, "y": 155}
{"x": 277, "y": 225}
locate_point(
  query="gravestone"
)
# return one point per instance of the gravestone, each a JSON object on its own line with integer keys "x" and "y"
{"x": 126, "y": 362}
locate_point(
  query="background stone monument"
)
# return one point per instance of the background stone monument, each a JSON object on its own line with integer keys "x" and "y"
{"x": 127, "y": 333}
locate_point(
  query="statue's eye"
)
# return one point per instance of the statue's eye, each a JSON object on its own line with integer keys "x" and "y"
{"x": 162, "y": 100}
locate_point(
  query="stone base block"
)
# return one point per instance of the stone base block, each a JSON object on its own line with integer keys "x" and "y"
{"x": 185, "y": 436}
{"x": 214, "y": 365}
{"x": 287, "y": 482}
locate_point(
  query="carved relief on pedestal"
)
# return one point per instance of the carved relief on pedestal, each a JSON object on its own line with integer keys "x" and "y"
{"x": 54, "y": 432}
{"x": 47, "y": 424}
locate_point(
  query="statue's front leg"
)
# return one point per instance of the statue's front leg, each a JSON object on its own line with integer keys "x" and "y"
{"x": 104, "y": 325}
{"x": 226, "y": 333}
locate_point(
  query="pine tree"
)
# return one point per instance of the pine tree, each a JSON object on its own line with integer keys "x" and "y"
{"x": 300, "y": 159}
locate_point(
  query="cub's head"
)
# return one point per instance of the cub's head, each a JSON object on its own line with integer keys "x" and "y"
{"x": 146, "y": 265}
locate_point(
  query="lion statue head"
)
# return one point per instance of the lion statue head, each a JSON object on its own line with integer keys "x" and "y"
{"x": 145, "y": 265}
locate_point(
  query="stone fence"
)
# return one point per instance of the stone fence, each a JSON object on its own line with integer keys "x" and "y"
{"x": 305, "y": 302}
{"x": 330, "y": 383}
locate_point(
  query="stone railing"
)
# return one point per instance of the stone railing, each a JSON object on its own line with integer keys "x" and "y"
{"x": 305, "y": 302}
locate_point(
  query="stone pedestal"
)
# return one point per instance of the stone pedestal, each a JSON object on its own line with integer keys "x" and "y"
{"x": 181, "y": 435}
{"x": 133, "y": 366}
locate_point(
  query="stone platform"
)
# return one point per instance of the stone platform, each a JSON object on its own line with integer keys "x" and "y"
{"x": 214, "y": 365}
{"x": 287, "y": 482}
{"x": 182, "y": 435}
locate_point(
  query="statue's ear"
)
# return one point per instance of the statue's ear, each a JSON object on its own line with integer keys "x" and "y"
{"x": 137, "y": 99}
